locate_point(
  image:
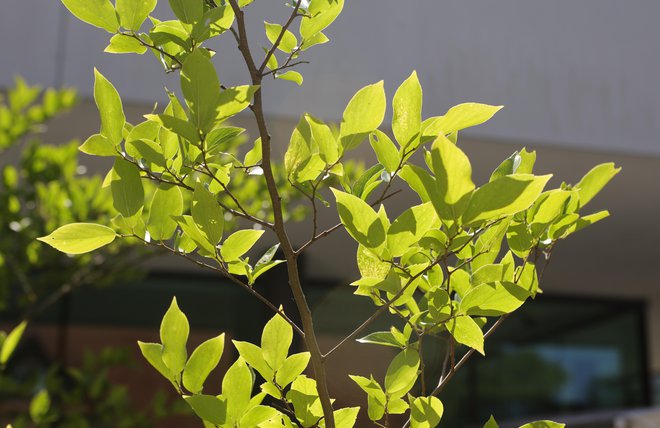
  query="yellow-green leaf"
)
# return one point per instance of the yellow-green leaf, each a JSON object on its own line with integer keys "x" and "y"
{"x": 79, "y": 238}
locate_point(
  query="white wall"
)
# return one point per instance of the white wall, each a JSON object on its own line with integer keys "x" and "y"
{"x": 580, "y": 74}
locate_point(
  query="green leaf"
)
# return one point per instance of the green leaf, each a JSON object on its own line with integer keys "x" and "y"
{"x": 493, "y": 299}
{"x": 324, "y": 139}
{"x": 190, "y": 230}
{"x": 305, "y": 399}
{"x": 8, "y": 346}
{"x": 126, "y": 187}
{"x": 276, "y": 339}
{"x": 299, "y": 150}
{"x": 291, "y": 76}
{"x": 176, "y": 125}
{"x": 376, "y": 396}
{"x": 288, "y": 42}
{"x": 132, "y": 13}
{"x": 239, "y": 243}
{"x": 167, "y": 202}
{"x": 153, "y": 353}
{"x": 360, "y": 220}
{"x": 345, "y": 418}
{"x": 188, "y": 11}
{"x": 253, "y": 355}
{"x": 258, "y": 415}
{"x": 316, "y": 39}
{"x": 465, "y": 116}
{"x": 122, "y": 44}
{"x": 453, "y": 174}
{"x": 237, "y": 388}
{"x": 209, "y": 408}
{"x": 420, "y": 181}
{"x": 504, "y": 196}
{"x": 99, "y": 13}
{"x": 594, "y": 181}
{"x": 292, "y": 367}
{"x": 147, "y": 150}
{"x": 98, "y": 145}
{"x": 370, "y": 265}
{"x": 410, "y": 227}
{"x": 425, "y": 412}
{"x": 548, "y": 207}
{"x": 79, "y": 238}
{"x": 39, "y": 406}
{"x": 202, "y": 362}
{"x": 385, "y": 150}
{"x": 201, "y": 87}
{"x": 543, "y": 424}
{"x": 385, "y": 338}
{"x": 491, "y": 423}
{"x": 466, "y": 331}
{"x": 364, "y": 113}
{"x": 110, "y": 107}
{"x": 174, "y": 331}
{"x": 234, "y": 100}
{"x": 207, "y": 213}
{"x": 321, "y": 14}
{"x": 407, "y": 106}
{"x": 402, "y": 373}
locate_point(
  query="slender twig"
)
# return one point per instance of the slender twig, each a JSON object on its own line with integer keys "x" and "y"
{"x": 224, "y": 273}
{"x": 280, "y": 36}
{"x": 135, "y": 36}
{"x": 284, "y": 67}
{"x": 455, "y": 367}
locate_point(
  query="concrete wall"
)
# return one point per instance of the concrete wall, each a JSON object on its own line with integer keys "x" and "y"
{"x": 579, "y": 74}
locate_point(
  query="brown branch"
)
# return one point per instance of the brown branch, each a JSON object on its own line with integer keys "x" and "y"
{"x": 279, "y": 225}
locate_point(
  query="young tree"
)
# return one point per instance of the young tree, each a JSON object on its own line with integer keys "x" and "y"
{"x": 463, "y": 259}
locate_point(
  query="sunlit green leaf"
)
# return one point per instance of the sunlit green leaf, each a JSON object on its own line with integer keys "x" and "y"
{"x": 291, "y": 76}
{"x": 276, "y": 339}
{"x": 188, "y": 11}
{"x": 466, "y": 331}
{"x": 292, "y": 367}
{"x": 288, "y": 42}
{"x": 79, "y": 238}
{"x": 385, "y": 150}
{"x": 209, "y": 408}
{"x": 425, "y": 412}
{"x": 402, "y": 373}
{"x": 132, "y": 13}
{"x": 364, "y": 113}
{"x": 207, "y": 213}
{"x": 360, "y": 220}
{"x": 99, "y": 13}
{"x": 407, "y": 106}
{"x": 594, "y": 181}
{"x": 202, "y": 361}
{"x": 505, "y": 196}
{"x": 201, "y": 87}
{"x": 237, "y": 389}
{"x": 122, "y": 44}
{"x": 321, "y": 14}
{"x": 110, "y": 107}
{"x": 239, "y": 243}
{"x": 174, "y": 331}
{"x": 126, "y": 187}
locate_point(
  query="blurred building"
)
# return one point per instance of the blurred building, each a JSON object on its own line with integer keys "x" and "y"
{"x": 579, "y": 85}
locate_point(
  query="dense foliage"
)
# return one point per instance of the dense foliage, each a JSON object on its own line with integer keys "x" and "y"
{"x": 451, "y": 268}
